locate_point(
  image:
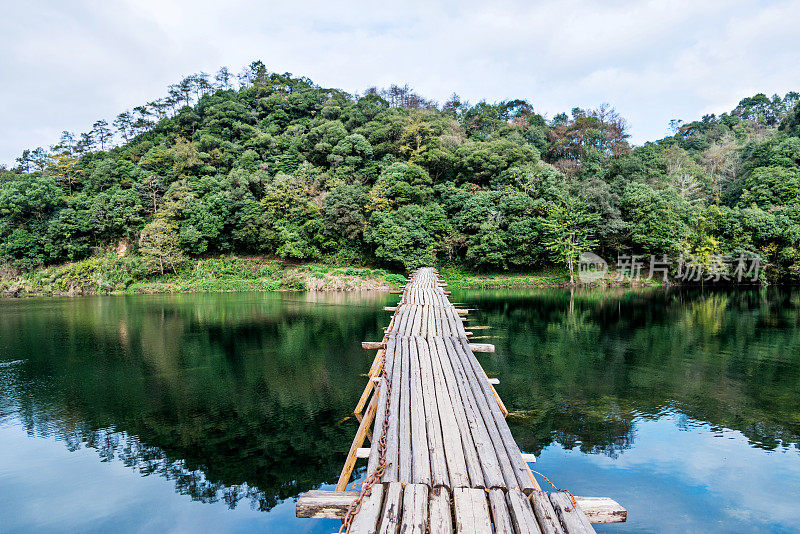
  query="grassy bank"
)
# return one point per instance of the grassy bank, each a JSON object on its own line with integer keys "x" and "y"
{"x": 550, "y": 278}
{"x": 109, "y": 274}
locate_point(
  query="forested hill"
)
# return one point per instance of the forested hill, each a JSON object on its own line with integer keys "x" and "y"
{"x": 268, "y": 164}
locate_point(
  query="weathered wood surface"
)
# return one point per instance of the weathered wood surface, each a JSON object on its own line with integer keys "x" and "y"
{"x": 570, "y": 514}
{"x": 334, "y": 504}
{"x": 446, "y": 437}
{"x": 471, "y": 511}
{"x": 602, "y": 509}
{"x": 366, "y": 522}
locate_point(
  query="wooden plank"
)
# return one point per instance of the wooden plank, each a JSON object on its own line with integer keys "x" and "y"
{"x": 441, "y": 520}
{"x": 366, "y": 521}
{"x": 391, "y": 473}
{"x": 521, "y": 469}
{"x": 439, "y": 475}
{"x": 528, "y": 457}
{"x": 458, "y": 403}
{"x": 392, "y": 509}
{"x": 421, "y": 462}
{"x": 362, "y": 452}
{"x": 334, "y": 504}
{"x": 320, "y": 504}
{"x": 375, "y": 370}
{"x": 404, "y": 452}
{"x": 373, "y": 345}
{"x": 471, "y": 511}
{"x": 500, "y": 515}
{"x": 380, "y": 415}
{"x": 545, "y": 514}
{"x": 358, "y": 440}
{"x": 522, "y": 513}
{"x": 493, "y": 475}
{"x": 571, "y": 515}
{"x": 602, "y": 509}
{"x": 487, "y": 417}
{"x": 451, "y": 435}
{"x": 481, "y": 347}
{"x": 415, "y": 509}
{"x": 390, "y": 308}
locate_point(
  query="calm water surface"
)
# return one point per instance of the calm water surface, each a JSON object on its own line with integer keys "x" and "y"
{"x": 188, "y": 413}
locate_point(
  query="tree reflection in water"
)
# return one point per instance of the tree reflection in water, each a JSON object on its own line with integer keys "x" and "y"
{"x": 246, "y": 397}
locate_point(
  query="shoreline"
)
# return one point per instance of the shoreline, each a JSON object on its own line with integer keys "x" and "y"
{"x": 112, "y": 275}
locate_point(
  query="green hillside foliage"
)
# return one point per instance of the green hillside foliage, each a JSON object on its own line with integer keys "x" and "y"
{"x": 274, "y": 165}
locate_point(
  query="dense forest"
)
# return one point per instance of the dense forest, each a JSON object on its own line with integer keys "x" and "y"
{"x": 269, "y": 164}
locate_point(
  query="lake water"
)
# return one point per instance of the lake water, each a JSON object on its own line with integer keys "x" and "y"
{"x": 186, "y": 413}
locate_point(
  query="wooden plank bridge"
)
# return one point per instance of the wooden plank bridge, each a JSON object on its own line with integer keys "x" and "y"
{"x": 442, "y": 458}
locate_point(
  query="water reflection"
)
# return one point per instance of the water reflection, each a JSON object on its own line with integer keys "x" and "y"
{"x": 582, "y": 378}
{"x": 239, "y": 398}
{"x": 230, "y": 396}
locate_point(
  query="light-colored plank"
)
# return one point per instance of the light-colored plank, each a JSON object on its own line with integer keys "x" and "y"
{"x": 366, "y": 520}
{"x": 521, "y": 469}
{"x": 421, "y": 462}
{"x": 451, "y": 435}
{"x": 500, "y": 515}
{"x": 415, "y": 509}
{"x": 471, "y": 511}
{"x": 373, "y": 345}
{"x": 380, "y": 415}
{"x": 481, "y": 347}
{"x": 441, "y": 520}
{"x": 392, "y": 509}
{"x": 522, "y": 513}
{"x": 486, "y": 412}
{"x": 571, "y": 515}
{"x": 320, "y": 504}
{"x": 439, "y": 475}
{"x": 545, "y": 514}
{"x": 458, "y": 403}
{"x": 391, "y": 474}
{"x": 602, "y": 509}
{"x": 404, "y": 452}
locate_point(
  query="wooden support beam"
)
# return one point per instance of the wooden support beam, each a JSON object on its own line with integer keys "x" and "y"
{"x": 461, "y": 311}
{"x": 374, "y": 371}
{"x": 395, "y": 292}
{"x": 390, "y": 308}
{"x": 334, "y": 504}
{"x": 481, "y": 347}
{"x": 358, "y": 440}
{"x": 373, "y": 345}
{"x": 602, "y": 509}
{"x": 494, "y": 381}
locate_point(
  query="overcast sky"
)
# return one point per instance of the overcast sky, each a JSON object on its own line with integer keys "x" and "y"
{"x": 65, "y": 64}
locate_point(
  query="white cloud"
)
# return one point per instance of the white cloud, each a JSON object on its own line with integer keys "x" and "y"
{"x": 67, "y": 64}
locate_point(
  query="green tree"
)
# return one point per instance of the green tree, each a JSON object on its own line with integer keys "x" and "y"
{"x": 159, "y": 246}
{"x": 570, "y": 230}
